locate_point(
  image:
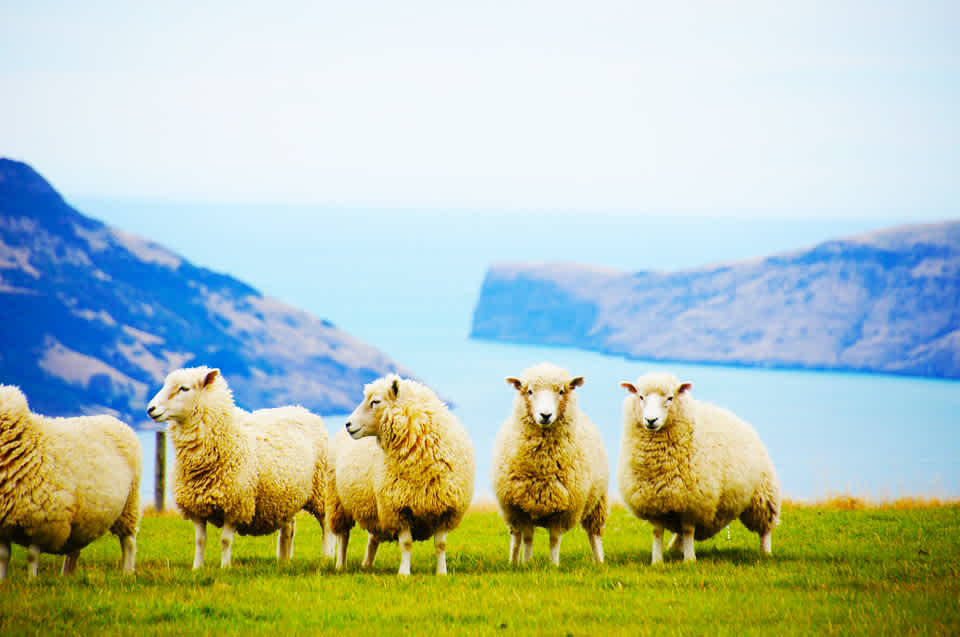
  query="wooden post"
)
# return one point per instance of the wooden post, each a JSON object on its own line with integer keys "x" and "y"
{"x": 160, "y": 483}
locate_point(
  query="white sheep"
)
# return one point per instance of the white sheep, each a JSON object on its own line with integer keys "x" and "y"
{"x": 549, "y": 466}
{"x": 350, "y": 494}
{"x": 422, "y": 484}
{"x": 64, "y": 482}
{"x": 692, "y": 467}
{"x": 248, "y": 472}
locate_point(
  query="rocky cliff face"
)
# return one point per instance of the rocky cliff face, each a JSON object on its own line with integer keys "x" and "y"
{"x": 881, "y": 302}
{"x": 94, "y": 318}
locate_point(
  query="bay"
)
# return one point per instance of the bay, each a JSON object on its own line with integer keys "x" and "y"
{"x": 871, "y": 436}
{"x": 407, "y": 281}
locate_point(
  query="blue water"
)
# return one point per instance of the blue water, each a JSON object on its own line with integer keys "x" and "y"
{"x": 407, "y": 282}
{"x": 879, "y": 437}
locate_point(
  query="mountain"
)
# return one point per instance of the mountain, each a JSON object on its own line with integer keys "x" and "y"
{"x": 94, "y": 318}
{"x": 887, "y": 301}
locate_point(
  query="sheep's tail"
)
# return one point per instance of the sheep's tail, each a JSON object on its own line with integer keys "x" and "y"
{"x": 595, "y": 519}
{"x": 763, "y": 514}
{"x": 126, "y": 525}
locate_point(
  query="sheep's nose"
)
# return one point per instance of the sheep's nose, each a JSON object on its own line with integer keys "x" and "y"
{"x": 545, "y": 417}
{"x": 151, "y": 409}
{"x": 651, "y": 421}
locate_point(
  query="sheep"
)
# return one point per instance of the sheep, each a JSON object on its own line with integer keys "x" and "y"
{"x": 549, "y": 466}
{"x": 350, "y": 494}
{"x": 64, "y": 482}
{"x": 247, "y": 472}
{"x": 692, "y": 467}
{"x": 423, "y": 482}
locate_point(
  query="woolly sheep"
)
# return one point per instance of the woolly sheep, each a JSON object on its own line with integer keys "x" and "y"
{"x": 350, "y": 493}
{"x": 422, "y": 484}
{"x": 692, "y": 467}
{"x": 64, "y": 482}
{"x": 549, "y": 465}
{"x": 248, "y": 472}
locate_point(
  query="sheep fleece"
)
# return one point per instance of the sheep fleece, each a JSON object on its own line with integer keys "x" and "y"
{"x": 64, "y": 482}
{"x": 708, "y": 467}
{"x": 269, "y": 454}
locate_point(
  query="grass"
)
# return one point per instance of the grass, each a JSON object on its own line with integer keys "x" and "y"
{"x": 837, "y": 567}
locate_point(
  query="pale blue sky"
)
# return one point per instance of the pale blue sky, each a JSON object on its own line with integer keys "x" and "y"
{"x": 799, "y": 108}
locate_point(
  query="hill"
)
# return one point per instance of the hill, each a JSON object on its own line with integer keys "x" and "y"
{"x": 881, "y": 302}
{"x": 94, "y": 318}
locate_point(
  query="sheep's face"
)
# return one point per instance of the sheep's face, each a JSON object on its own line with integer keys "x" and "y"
{"x": 655, "y": 404}
{"x": 365, "y": 419}
{"x": 178, "y": 399}
{"x": 545, "y": 401}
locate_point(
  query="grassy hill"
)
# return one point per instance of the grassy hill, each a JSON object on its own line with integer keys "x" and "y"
{"x": 834, "y": 570}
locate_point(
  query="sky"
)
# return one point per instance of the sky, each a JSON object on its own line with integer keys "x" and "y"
{"x": 810, "y": 108}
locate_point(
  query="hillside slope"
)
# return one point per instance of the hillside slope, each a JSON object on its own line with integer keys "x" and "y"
{"x": 883, "y": 302}
{"x": 94, "y": 318}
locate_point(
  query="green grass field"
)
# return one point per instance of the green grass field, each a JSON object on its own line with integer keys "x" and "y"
{"x": 871, "y": 571}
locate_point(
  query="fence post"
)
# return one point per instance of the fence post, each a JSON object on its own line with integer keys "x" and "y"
{"x": 160, "y": 483}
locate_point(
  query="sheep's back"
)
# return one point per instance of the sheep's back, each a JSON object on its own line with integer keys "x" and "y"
{"x": 96, "y": 464}
{"x": 731, "y": 450}
{"x": 286, "y": 458}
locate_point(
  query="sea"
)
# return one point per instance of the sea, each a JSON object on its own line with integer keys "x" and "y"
{"x": 407, "y": 281}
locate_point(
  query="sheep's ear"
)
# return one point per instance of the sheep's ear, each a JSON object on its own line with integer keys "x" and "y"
{"x": 210, "y": 377}
{"x": 629, "y": 387}
{"x": 684, "y": 387}
{"x": 576, "y": 382}
{"x": 515, "y": 382}
{"x": 395, "y": 387}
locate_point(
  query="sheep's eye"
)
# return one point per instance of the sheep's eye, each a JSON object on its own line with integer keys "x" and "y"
{"x": 640, "y": 396}
{"x": 669, "y": 398}
{"x": 374, "y": 403}
{"x": 184, "y": 388}
{"x": 529, "y": 392}
{"x": 562, "y": 392}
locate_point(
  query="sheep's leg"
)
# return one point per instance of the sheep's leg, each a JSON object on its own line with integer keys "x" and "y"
{"x": 688, "y": 554}
{"x": 70, "y": 563}
{"x": 556, "y": 535}
{"x": 440, "y": 543}
{"x": 657, "y": 553}
{"x": 285, "y": 541}
{"x": 128, "y": 550}
{"x": 4, "y": 559}
{"x": 33, "y": 560}
{"x": 371, "y": 553}
{"x": 201, "y": 543}
{"x": 293, "y": 536}
{"x": 342, "y": 540}
{"x": 674, "y": 545}
{"x": 329, "y": 541}
{"x": 226, "y": 545}
{"x": 406, "y": 549}
{"x": 527, "y": 535}
{"x": 596, "y": 545}
{"x": 765, "y": 542}
{"x": 515, "y": 543}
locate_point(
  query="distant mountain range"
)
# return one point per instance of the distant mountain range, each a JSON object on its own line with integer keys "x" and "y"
{"x": 881, "y": 302}
{"x": 94, "y": 318}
